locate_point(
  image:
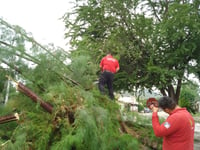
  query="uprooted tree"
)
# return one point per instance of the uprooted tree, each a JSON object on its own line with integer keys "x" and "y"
{"x": 79, "y": 117}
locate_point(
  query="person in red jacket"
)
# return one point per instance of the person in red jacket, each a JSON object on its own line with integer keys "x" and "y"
{"x": 177, "y": 130}
{"x": 109, "y": 66}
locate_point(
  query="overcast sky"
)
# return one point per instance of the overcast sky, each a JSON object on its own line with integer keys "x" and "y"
{"x": 40, "y": 17}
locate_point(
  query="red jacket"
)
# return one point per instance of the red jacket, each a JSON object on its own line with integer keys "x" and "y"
{"x": 109, "y": 63}
{"x": 177, "y": 131}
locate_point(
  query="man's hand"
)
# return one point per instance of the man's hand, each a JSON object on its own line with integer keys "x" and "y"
{"x": 153, "y": 108}
{"x": 117, "y": 69}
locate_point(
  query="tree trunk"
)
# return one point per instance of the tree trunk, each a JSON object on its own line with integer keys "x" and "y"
{"x": 171, "y": 91}
{"x": 22, "y": 88}
{"x": 7, "y": 92}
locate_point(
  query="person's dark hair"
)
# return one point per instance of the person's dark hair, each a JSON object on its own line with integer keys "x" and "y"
{"x": 109, "y": 52}
{"x": 166, "y": 102}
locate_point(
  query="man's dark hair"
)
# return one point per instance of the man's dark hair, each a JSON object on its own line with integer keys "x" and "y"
{"x": 166, "y": 102}
{"x": 109, "y": 52}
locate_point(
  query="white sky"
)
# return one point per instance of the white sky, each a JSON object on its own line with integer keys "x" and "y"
{"x": 40, "y": 17}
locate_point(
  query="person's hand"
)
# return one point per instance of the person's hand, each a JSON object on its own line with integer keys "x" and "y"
{"x": 154, "y": 108}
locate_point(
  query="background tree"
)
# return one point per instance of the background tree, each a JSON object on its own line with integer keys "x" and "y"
{"x": 188, "y": 97}
{"x": 156, "y": 42}
{"x": 176, "y": 48}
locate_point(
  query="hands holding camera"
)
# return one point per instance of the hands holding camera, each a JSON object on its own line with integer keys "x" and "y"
{"x": 152, "y": 103}
{"x": 153, "y": 108}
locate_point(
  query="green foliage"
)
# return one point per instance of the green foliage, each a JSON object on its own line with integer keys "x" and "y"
{"x": 2, "y": 79}
{"x": 94, "y": 129}
{"x": 143, "y": 129}
{"x": 188, "y": 97}
{"x": 140, "y": 108}
{"x": 18, "y": 142}
{"x": 83, "y": 71}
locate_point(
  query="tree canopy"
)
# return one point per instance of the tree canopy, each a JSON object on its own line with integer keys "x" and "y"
{"x": 156, "y": 42}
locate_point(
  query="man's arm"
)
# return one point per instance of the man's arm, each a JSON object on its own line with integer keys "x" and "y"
{"x": 117, "y": 66}
{"x": 155, "y": 120}
{"x": 166, "y": 128}
{"x": 101, "y": 64}
{"x": 117, "y": 69}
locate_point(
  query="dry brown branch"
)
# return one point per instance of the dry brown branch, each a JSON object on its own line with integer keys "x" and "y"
{"x": 9, "y": 118}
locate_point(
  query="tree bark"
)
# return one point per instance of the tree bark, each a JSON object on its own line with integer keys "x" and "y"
{"x": 22, "y": 88}
{"x": 9, "y": 118}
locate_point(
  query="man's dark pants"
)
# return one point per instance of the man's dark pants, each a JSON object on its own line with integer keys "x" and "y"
{"x": 106, "y": 78}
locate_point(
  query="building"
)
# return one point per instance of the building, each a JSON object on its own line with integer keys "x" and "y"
{"x": 128, "y": 102}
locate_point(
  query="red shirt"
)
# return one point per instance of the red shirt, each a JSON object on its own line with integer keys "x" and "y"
{"x": 109, "y": 63}
{"x": 177, "y": 131}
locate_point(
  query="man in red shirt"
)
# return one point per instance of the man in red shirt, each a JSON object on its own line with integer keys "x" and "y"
{"x": 178, "y": 129}
{"x": 109, "y": 66}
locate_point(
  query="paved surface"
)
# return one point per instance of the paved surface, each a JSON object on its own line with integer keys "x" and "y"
{"x": 161, "y": 114}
